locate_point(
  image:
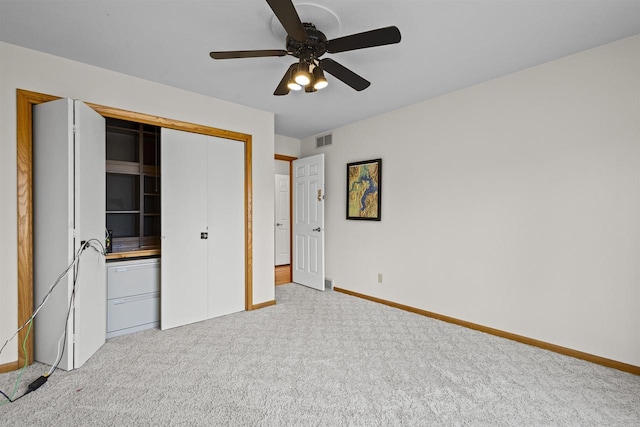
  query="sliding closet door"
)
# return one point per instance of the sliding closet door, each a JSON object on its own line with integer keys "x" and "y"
{"x": 226, "y": 226}
{"x": 184, "y": 289}
{"x": 202, "y": 227}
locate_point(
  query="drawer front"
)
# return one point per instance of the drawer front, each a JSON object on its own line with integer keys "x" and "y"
{"x": 132, "y": 311}
{"x": 133, "y": 278}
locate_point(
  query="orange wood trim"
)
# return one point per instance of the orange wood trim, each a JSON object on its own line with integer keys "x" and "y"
{"x": 264, "y": 304}
{"x": 24, "y": 119}
{"x": 11, "y": 366}
{"x": 289, "y": 159}
{"x": 133, "y": 254}
{"x": 167, "y": 123}
{"x": 25, "y": 100}
{"x": 285, "y": 158}
{"x": 248, "y": 223}
{"x": 290, "y": 219}
{"x": 632, "y": 369}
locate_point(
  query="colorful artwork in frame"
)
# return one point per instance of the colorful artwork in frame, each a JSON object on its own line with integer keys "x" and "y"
{"x": 364, "y": 181}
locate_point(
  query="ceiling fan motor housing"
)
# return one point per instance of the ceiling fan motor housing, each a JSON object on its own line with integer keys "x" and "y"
{"x": 311, "y": 48}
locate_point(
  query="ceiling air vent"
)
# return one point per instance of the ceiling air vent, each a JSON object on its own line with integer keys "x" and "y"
{"x": 324, "y": 140}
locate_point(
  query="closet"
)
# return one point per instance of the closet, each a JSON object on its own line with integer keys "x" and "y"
{"x": 204, "y": 233}
{"x": 203, "y": 254}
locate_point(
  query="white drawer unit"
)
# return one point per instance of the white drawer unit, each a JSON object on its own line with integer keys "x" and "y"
{"x": 133, "y": 296}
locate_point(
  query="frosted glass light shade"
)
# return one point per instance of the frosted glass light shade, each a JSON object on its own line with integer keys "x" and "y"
{"x": 318, "y": 77}
{"x": 302, "y": 76}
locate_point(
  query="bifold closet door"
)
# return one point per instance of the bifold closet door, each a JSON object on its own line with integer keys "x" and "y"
{"x": 69, "y": 205}
{"x": 202, "y": 269}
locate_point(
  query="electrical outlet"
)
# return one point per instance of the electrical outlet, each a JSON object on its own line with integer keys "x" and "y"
{"x": 379, "y": 277}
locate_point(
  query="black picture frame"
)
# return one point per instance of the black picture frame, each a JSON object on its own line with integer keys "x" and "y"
{"x": 364, "y": 190}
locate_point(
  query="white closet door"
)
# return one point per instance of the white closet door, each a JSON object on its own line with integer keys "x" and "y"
{"x": 226, "y": 226}
{"x": 69, "y": 207}
{"x": 202, "y": 192}
{"x": 52, "y": 226}
{"x": 90, "y": 320}
{"x": 184, "y": 289}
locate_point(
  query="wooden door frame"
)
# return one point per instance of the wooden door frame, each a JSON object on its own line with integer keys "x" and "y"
{"x": 289, "y": 159}
{"x": 24, "y": 130}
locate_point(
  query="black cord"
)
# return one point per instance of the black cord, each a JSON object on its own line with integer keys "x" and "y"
{"x": 43, "y": 379}
{"x": 17, "y": 398}
{"x": 8, "y": 398}
{"x": 32, "y": 387}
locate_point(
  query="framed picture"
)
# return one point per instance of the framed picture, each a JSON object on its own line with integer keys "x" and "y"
{"x": 364, "y": 181}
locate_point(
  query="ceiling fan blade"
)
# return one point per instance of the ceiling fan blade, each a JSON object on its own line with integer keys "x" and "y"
{"x": 379, "y": 37}
{"x": 288, "y": 17}
{"x": 346, "y": 75}
{"x": 282, "y": 88}
{"x": 231, "y": 54}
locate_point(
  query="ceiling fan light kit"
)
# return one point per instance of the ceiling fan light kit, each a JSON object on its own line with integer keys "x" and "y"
{"x": 319, "y": 81}
{"x": 302, "y": 76}
{"x": 293, "y": 85}
{"x": 307, "y": 43}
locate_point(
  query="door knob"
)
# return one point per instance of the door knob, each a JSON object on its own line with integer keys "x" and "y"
{"x": 317, "y": 229}
{"x": 278, "y": 224}
{"x": 204, "y": 236}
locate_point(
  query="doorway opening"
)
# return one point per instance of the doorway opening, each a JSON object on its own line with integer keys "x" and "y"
{"x": 283, "y": 271}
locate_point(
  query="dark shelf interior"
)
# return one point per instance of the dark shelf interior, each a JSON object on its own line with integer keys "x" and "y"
{"x": 133, "y": 185}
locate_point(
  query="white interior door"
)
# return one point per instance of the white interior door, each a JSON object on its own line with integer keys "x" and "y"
{"x": 69, "y": 208}
{"x": 202, "y": 269}
{"x": 308, "y": 221}
{"x": 282, "y": 227}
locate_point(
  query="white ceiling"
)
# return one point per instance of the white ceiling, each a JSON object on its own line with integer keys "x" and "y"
{"x": 446, "y": 45}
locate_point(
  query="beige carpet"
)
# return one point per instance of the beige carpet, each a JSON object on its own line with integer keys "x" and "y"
{"x": 325, "y": 359}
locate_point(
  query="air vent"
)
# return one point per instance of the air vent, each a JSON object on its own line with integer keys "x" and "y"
{"x": 324, "y": 140}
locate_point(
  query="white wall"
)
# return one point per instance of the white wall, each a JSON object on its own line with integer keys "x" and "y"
{"x": 31, "y": 70}
{"x": 287, "y": 146}
{"x": 513, "y": 204}
{"x": 281, "y": 167}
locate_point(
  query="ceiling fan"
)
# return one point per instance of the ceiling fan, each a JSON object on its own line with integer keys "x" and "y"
{"x": 308, "y": 44}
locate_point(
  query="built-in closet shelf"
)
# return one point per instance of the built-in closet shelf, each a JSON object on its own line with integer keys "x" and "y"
{"x": 133, "y": 296}
{"x": 132, "y": 254}
{"x": 123, "y": 212}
